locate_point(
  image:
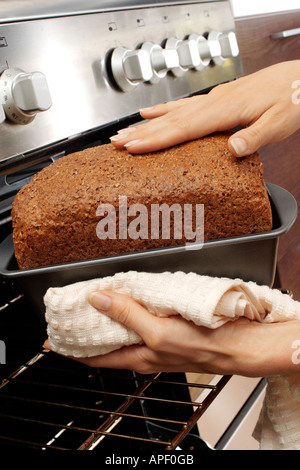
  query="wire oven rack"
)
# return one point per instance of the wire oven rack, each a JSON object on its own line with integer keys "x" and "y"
{"x": 51, "y": 402}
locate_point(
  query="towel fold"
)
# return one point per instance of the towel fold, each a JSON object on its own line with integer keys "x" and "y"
{"x": 76, "y": 329}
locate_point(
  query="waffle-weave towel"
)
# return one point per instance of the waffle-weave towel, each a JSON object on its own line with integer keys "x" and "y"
{"x": 75, "y": 328}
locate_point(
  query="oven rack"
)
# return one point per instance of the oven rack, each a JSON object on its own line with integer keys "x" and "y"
{"x": 73, "y": 409}
{"x": 50, "y": 402}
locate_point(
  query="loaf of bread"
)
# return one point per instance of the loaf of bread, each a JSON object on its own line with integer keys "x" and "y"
{"x": 56, "y": 216}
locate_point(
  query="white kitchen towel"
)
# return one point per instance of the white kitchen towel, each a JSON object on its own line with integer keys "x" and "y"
{"x": 278, "y": 426}
{"x": 76, "y": 329}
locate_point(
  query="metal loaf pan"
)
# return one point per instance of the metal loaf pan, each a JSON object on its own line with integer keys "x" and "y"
{"x": 249, "y": 257}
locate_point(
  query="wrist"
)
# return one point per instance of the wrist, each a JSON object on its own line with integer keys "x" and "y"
{"x": 268, "y": 349}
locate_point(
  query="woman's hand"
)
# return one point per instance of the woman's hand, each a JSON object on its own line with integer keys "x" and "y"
{"x": 172, "y": 344}
{"x": 263, "y": 101}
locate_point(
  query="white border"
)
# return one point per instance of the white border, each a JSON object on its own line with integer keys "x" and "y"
{"x": 258, "y": 7}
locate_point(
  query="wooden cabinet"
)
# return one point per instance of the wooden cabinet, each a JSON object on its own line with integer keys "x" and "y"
{"x": 282, "y": 159}
{"x": 258, "y": 49}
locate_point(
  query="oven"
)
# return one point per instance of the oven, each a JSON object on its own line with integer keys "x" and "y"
{"x": 72, "y": 74}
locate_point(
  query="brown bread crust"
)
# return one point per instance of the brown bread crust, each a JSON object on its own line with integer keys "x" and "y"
{"x": 54, "y": 215}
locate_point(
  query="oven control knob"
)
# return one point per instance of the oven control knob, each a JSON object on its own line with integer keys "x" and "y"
{"x": 130, "y": 67}
{"x": 228, "y": 46}
{"x": 162, "y": 60}
{"x": 204, "y": 50}
{"x": 24, "y": 95}
{"x": 188, "y": 53}
{"x": 173, "y": 44}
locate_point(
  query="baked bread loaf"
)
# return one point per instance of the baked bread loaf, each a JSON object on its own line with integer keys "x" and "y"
{"x": 56, "y": 215}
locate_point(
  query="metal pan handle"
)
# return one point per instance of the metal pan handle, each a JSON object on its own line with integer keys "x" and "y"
{"x": 286, "y": 34}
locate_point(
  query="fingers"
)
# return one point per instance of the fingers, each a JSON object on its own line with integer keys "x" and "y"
{"x": 133, "y": 357}
{"x": 46, "y": 345}
{"x": 125, "y": 310}
{"x": 154, "y": 135}
{"x": 127, "y": 135}
{"x": 163, "y": 108}
{"x": 130, "y": 358}
{"x": 270, "y": 127}
{"x": 133, "y": 315}
{"x": 170, "y": 124}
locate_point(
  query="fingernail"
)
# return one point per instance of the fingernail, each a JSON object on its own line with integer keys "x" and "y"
{"x": 121, "y": 136}
{"x": 126, "y": 130}
{"x": 100, "y": 301}
{"x": 122, "y": 133}
{"x": 132, "y": 142}
{"x": 239, "y": 145}
{"x": 146, "y": 109}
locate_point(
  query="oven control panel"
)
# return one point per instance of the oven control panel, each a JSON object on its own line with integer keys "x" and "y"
{"x": 66, "y": 75}
{"x": 151, "y": 62}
